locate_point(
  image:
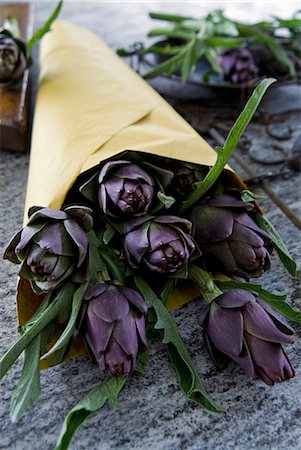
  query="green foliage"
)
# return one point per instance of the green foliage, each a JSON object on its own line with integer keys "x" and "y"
{"x": 187, "y": 39}
{"x": 28, "y": 389}
{"x": 45, "y": 27}
{"x": 107, "y": 391}
{"x": 277, "y": 302}
{"x": 225, "y": 152}
{"x": 189, "y": 378}
{"x": 278, "y": 243}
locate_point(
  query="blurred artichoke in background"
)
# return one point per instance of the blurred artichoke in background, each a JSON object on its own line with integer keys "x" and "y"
{"x": 124, "y": 189}
{"x": 52, "y": 247}
{"x": 269, "y": 66}
{"x": 229, "y": 239}
{"x": 161, "y": 244}
{"x": 13, "y": 58}
{"x": 113, "y": 326}
{"x": 239, "y": 326}
{"x": 238, "y": 65}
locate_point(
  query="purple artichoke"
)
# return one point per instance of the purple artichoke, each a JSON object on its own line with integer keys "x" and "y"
{"x": 113, "y": 327}
{"x": 13, "y": 59}
{"x": 124, "y": 189}
{"x": 161, "y": 244}
{"x": 185, "y": 176}
{"x": 238, "y": 65}
{"x": 230, "y": 240}
{"x": 239, "y": 326}
{"x": 268, "y": 65}
{"x": 52, "y": 247}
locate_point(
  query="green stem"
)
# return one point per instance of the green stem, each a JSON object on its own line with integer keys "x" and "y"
{"x": 225, "y": 152}
{"x": 45, "y": 27}
{"x": 205, "y": 282}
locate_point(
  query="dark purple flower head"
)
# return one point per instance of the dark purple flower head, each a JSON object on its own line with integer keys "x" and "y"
{"x": 185, "y": 177}
{"x": 161, "y": 244}
{"x": 239, "y": 326}
{"x": 229, "y": 238}
{"x": 113, "y": 327}
{"x": 124, "y": 189}
{"x": 13, "y": 59}
{"x": 268, "y": 65}
{"x": 238, "y": 65}
{"x": 52, "y": 247}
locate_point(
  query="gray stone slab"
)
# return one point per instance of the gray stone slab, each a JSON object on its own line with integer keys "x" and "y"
{"x": 152, "y": 412}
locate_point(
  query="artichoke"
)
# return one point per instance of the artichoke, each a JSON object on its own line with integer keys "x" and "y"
{"x": 52, "y": 247}
{"x": 13, "y": 58}
{"x": 230, "y": 240}
{"x": 124, "y": 189}
{"x": 239, "y": 326}
{"x": 161, "y": 244}
{"x": 185, "y": 177}
{"x": 238, "y": 65}
{"x": 113, "y": 327}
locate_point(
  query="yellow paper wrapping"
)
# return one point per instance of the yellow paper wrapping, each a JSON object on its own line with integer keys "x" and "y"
{"x": 91, "y": 106}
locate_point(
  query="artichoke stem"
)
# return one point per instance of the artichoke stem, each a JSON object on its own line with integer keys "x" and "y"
{"x": 205, "y": 282}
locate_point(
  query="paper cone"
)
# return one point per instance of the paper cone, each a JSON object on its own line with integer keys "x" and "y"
{"x": 90, "y": 107}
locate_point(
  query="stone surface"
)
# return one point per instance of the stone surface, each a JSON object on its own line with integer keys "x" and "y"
{"x": 152, "y": 413}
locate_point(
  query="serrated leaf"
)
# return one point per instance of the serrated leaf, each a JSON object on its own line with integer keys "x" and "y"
{"x": 46, "y": 336}
{"x": 278, "y": 52}
{"x": 166, "y": 291}
{"x": 190, "y": 381}
{"x": 221, "y": 41}
{"x": 112, "y": 263}
{"x": 142, "y": 361}
{"x": 211, "y": 55}
{"x": 95, "y": 264}
{"x": 166, "y": 200}
{"x": 28, "y": 389}
{"x": 60, "y": 354}
{"x": 277, "y": 302}
{"x": 68, "y": 331}
{"x": 41, "y": 309}
{"x": 168, "y": 17}
{"x": 50, "y": 313}
{"x": 170, "y": 65}
{"x": 167, "y": 50}
{"x": 248, "y": 196}
{"x": 108, "y": 234}
{"x": 108, "y": 390}
{"x": 280, "y": 247}
{"x": 172, "y": 32}
{"x": 225, "y": 152}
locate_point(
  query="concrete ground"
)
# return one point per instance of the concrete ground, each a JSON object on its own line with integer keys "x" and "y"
{"x": 152, "y": 413}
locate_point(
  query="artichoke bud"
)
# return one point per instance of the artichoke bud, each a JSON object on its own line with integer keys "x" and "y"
{"x": 162, "y": 244}
{"x": 241, "y": 327}
{"x": 238, "y": 65}
{"x": 52, "y": 247}
{"x": 113, "y": 327}
{"x": 228, "y": 237}
{"x": 13, "y": 58}
{"x": 124, "y": 189}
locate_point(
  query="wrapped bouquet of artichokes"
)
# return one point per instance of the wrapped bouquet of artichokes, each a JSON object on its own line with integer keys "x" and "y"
{"x": 131, "y": 214}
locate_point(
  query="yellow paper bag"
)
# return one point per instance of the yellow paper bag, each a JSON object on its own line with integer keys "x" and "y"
{"x": 90, "y": 107}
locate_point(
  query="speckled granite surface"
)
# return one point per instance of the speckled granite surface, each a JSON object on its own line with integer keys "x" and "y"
{"x": 152, "y": 412}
